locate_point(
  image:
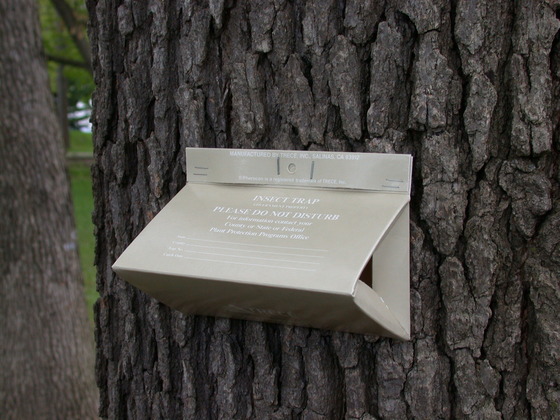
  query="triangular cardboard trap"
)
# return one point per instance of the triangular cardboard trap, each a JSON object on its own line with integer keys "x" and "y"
{"x": 316, "y": 239}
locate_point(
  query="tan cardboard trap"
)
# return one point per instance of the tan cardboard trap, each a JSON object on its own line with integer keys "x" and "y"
{"x": 317, "y": 239}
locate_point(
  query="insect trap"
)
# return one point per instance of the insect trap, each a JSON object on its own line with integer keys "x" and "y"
{"x": 318, "y": 239}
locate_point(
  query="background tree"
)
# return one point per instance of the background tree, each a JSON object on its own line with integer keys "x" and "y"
{"x": 46, "y": 353}
{"x": 74, "y": 16}
{"x": 471, "y": 89}
{"x": 63, "y": 29}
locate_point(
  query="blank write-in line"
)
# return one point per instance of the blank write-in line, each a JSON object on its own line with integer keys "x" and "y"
{"x": 257, "y": 245}
{"x": 247, "y": 256}
{"x": 249, "y": 264}
{"x": 247, "y": 250}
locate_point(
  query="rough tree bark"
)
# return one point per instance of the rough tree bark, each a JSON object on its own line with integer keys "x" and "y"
{"x": 471, "y": 89}
{"x": 46, "y": 349}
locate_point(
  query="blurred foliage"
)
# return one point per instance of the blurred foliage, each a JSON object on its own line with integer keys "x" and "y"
{"x": 57, "y": 42}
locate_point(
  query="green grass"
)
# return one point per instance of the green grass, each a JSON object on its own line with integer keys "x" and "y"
{"x": 80, "y": 179}
{"x": 80, "y": 142}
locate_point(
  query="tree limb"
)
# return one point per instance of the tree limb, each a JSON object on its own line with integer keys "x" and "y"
{"x": 67, "y": 61}
{"x": 75, "y": 29}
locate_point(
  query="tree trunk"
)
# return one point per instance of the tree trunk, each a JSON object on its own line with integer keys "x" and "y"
{"x": 471, "y": 89}
{"x": 46, "y": 353}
